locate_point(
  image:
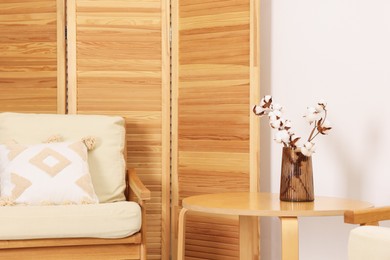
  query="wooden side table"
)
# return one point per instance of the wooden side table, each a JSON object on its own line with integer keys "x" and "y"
{"x": 247, "y": 205}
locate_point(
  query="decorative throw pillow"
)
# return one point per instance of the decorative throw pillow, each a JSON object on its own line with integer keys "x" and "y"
{"x": 45, "y": 174}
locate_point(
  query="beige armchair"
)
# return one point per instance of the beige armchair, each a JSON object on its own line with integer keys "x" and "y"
{"x": 65, "y": 191}
{"x": 369, "y": 241}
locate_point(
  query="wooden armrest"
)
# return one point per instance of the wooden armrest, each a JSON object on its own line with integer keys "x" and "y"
{"x": 136, "y": 186}
{"x": 367, "y": 216}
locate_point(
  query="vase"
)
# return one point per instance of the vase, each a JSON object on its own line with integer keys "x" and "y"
{"x": 296, "y": 181}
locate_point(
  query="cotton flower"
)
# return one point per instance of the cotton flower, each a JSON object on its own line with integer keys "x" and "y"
{"x": 267, "y": 99}
{"x": 282, "y": 136}
{"x": 308, "y": 149}
{"x": 293, "y": 140}
{"x": 325, "y": 127}
{"x": 312, "y": 115}
{"x": 266, "y": 102}
{"x": 258, "y": 110}
{"x": 276, "y": 124}
{"x": 264, "y": 107}
{"x": 277, "y": 107}
{"x": 274, "y": 115}
{"x": 287, "y": 124}
{"x": 321, "y": 106}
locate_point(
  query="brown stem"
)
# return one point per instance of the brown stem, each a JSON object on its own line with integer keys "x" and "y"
{"x": 312, "y": 131}
{"x": 311, "y": 137}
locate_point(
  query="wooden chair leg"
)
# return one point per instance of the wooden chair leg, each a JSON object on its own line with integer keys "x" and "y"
{"x": 181, "y": 234}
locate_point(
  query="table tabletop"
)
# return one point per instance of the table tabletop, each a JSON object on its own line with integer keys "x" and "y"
{"x": 268, "y": 204}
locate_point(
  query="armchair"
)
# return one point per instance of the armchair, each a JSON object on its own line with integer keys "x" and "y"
{"x": 369, "y": 241}
{"x": 60, "y": 201}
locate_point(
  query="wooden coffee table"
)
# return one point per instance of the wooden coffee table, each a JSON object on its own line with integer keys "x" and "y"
{"x": 249, "y": 205}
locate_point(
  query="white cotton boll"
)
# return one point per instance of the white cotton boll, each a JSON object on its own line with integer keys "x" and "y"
{"x": 287, "y": 124}
{"x": 308, "y": 145}
{"x": 275, "y": 114}
{"x": 326, "y": 127}
{"x": 276, "y": 124}
{"x": 322, "y": 103}
{"x": 282, "y": 136}
{"x": 311, "y": 110}
{"x": 267, "y": 98}
{"x": 266, "y": 102}
{"x": 259, "y": 110}
{"x": 308, "y": 149}
{"x": 305, "y": 152}
{"x": 272, "y": 117}
{"x": 277, "y": 107}
{"x": 312, "y": 115}
{"x": 319, "y": 108}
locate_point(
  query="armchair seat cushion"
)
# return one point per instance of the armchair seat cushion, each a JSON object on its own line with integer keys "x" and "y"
{"x": 369, "y": 242}
{"x": 105, "y": 220}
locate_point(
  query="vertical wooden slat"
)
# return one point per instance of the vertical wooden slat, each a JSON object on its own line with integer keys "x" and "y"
{"x": 215, "y": 139}
{"x": 72, "y": 56}
{"x": 61, "y": 57}
{"x": 175, "y": 209}
{"x": 32, "y": 56}
{"x": 254, "y": 94}
{"x": 120, "y": 57}
{"x": 166, "y": 130}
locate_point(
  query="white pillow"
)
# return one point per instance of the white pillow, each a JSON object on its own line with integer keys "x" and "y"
{"x": 45, "y": 174}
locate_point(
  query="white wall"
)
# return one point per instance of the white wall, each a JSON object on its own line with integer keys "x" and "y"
{"x": 337, "y": 50}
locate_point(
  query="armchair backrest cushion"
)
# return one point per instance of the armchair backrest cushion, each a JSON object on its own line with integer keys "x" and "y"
{"x": 106, "y": 161}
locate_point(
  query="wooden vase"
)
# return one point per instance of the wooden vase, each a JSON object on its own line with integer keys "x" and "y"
{"x": 296, "y": 182}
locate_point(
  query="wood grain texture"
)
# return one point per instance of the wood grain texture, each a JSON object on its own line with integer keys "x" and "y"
{"x": 107, "y": 252}
{"x": 121, "y": 67}
{"x": 214, "y": 137}
{"x": 367, "y": 216}
{"x": 269, "y": 205}
{"x": 32, "y": 56}
{"x": 67, "y": 242}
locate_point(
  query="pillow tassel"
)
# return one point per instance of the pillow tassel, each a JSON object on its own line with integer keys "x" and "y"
{"x": 6, "y": 202}
{"x": 89, "y": 142}
{"x": 54, "y": 139}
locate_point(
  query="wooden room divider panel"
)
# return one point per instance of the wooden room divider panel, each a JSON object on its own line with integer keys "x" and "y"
{"x": 215, "y": 136}
{"x": 118, "y": 60}
{"x": 119, "y": 64}
{"x": 32, "y": 56}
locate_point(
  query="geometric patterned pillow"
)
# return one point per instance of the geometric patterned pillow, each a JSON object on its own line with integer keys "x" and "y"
{"x": 45, "y": 174}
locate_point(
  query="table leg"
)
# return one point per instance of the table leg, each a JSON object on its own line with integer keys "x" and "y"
{"x": 290, "y": 238}
{"x": 249, "y": 241}
{"x": 181, "y": 234}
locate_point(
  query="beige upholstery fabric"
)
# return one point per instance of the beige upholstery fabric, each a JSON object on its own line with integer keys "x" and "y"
{"x": 106, "y": 162}
{"x": 108, "y": 220}
{"x": 369, "y": 243}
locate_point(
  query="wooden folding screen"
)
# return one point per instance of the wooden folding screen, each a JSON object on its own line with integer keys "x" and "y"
{"x": 215, "y": 136}
{"x": 118, "y": 60}
{"x": 118, "y": 63}
{"x": 32, "y": 56}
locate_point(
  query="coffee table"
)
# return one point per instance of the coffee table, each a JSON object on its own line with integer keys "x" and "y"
{"x": 249, "y": 205}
